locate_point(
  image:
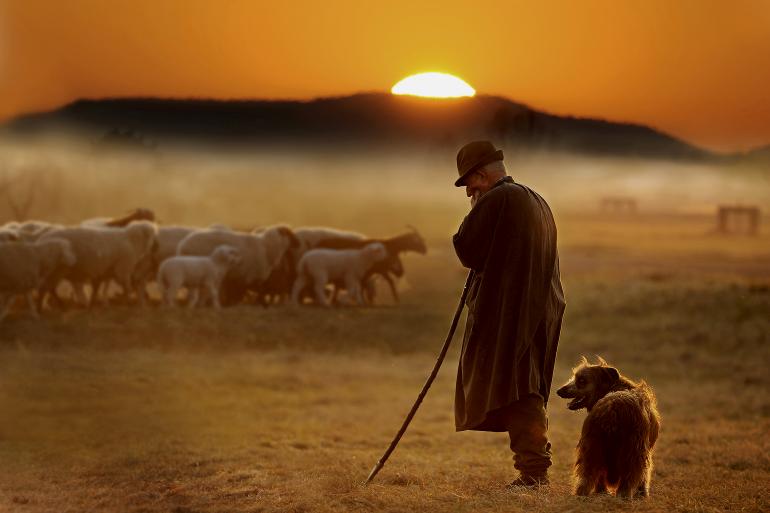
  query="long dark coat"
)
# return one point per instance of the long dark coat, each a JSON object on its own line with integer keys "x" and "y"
{"x": 515, "y": 304}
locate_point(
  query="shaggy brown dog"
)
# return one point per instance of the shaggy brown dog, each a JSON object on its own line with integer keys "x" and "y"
{"x": 615, "y": 447}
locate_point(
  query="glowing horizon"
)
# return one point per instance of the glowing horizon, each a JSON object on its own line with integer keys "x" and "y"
{"x": 696, "y": 70}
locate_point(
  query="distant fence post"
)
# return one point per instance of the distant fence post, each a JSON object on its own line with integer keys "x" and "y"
{"x": 618, "y": 205}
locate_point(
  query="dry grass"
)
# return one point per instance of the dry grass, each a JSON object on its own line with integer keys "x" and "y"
{"x": 284, "y": 409}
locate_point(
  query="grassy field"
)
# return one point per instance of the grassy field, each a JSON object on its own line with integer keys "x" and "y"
{"x": 287, "y": 409}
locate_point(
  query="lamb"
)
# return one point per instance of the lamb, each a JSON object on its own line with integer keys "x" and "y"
{"x": 167, "y": 238}
{"x": 102, "y": 254}
{"x": 278, "y": 285}
{"x": 409, "y": 241}
{"x": 24, "y": 266}
{"x": 261, "y": 252}
{"x": 196, "y": 273}
{"x": 322, "y": 266}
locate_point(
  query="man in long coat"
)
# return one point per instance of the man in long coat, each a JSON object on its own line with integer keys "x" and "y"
{"x": 515, "y": 307}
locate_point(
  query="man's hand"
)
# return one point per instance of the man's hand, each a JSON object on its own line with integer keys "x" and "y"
{"x": 475, "y": 198}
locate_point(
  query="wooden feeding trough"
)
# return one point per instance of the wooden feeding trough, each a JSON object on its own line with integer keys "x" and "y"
{"x": 733, "y": 219}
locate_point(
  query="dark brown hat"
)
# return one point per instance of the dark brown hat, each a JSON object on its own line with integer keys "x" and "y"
{"x": 473, "y": 156}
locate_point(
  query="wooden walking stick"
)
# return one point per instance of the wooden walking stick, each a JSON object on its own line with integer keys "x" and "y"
{"x": 427, "y": 384}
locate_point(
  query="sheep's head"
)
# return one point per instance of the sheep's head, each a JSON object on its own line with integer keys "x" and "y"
{"x": 278, "y": 240}
{"x": 143, "y": 214}
{"x": 415, "y": 242}
{"x": 286, "y": 232}
{"x": 227, "y": 255}
{"x": 143, "y": 235}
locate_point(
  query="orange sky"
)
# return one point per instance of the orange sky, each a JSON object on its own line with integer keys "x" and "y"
{"x": 699, "y": 69}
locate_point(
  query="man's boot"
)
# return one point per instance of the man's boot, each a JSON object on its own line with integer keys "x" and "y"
{"x": 529, "y": 481}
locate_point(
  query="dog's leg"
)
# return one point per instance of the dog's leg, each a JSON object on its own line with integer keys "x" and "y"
{"x": 625, "y": 490}
{"x": 601, "y": 487}
{"x": 585, "y": 485}
{"x": 644, "y": 486}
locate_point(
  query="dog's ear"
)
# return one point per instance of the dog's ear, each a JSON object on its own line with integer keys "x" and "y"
{"x": 611, "y": 373}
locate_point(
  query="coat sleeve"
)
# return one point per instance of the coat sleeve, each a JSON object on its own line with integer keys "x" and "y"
{"x": 474, "y": 237}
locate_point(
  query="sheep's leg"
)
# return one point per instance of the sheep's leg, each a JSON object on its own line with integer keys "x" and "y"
{"x": 53, "y": 294}
{"x": 49, "y": 289}
{"x": 319, "y": 286}
{"x": 368, "y": 290}
{"x": 125, "y": 284}
{"x": 102, "y": 291}
{"x": 392, "y": 284}
{"x": 214, "y": 292}
{"x": 299, "y": 285}
{"x": 354, "y": 290}
{"x": 95, "y": 286}
{"x": 140, "y": 286}
{"x": 169, "y": 295}
{"x": 335, "y": 294}
{"x": 31, "y": 303}
{"x": 193, "y": 299}
{"x": 41, "y": 295}
{"x": 79, "y": 292}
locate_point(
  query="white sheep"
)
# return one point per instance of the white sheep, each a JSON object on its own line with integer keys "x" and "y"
{"x": 30, "y": 231}
{"x": 103, "y": 254}
{"x": 24, "y": 267}
{"x": 280, "y": 282}
{"x": 260, "y": 253}
{"x": 196, "y": 273}
{"x": 167, "y": 238}
{"x": 322, "y": 266}
{"x": 311, "y": 236}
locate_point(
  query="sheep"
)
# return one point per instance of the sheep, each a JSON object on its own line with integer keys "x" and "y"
{"x": 102, "y": 254}
{"x": 196, "y": 273}
{"x": 278, "y": 284}
{"x": 167, "y": 238}
{"x": 310, "y": 237}
{"x": 409, "y": 241}
{"x": 30, "y": 231}
{"x": 260, "y": 253}
{"x": 24, "y": 267}
{"x": 138, "y": 214}
{"x": 8, "y": 235}
{"x": 321, "y": 266}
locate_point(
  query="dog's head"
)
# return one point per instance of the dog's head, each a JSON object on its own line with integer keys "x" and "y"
{"x": 588, "y": 384}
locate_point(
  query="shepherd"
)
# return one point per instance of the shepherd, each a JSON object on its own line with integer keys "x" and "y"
{"x": 515, "y": 307}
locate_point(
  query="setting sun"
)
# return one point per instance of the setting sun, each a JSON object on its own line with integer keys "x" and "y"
{"x": 434, "y": 85}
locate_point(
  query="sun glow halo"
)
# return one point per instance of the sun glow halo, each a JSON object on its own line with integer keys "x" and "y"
{"x": 433, "y": 85}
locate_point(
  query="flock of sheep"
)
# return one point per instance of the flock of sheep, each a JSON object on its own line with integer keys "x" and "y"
{"x": 216, "y": 265}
